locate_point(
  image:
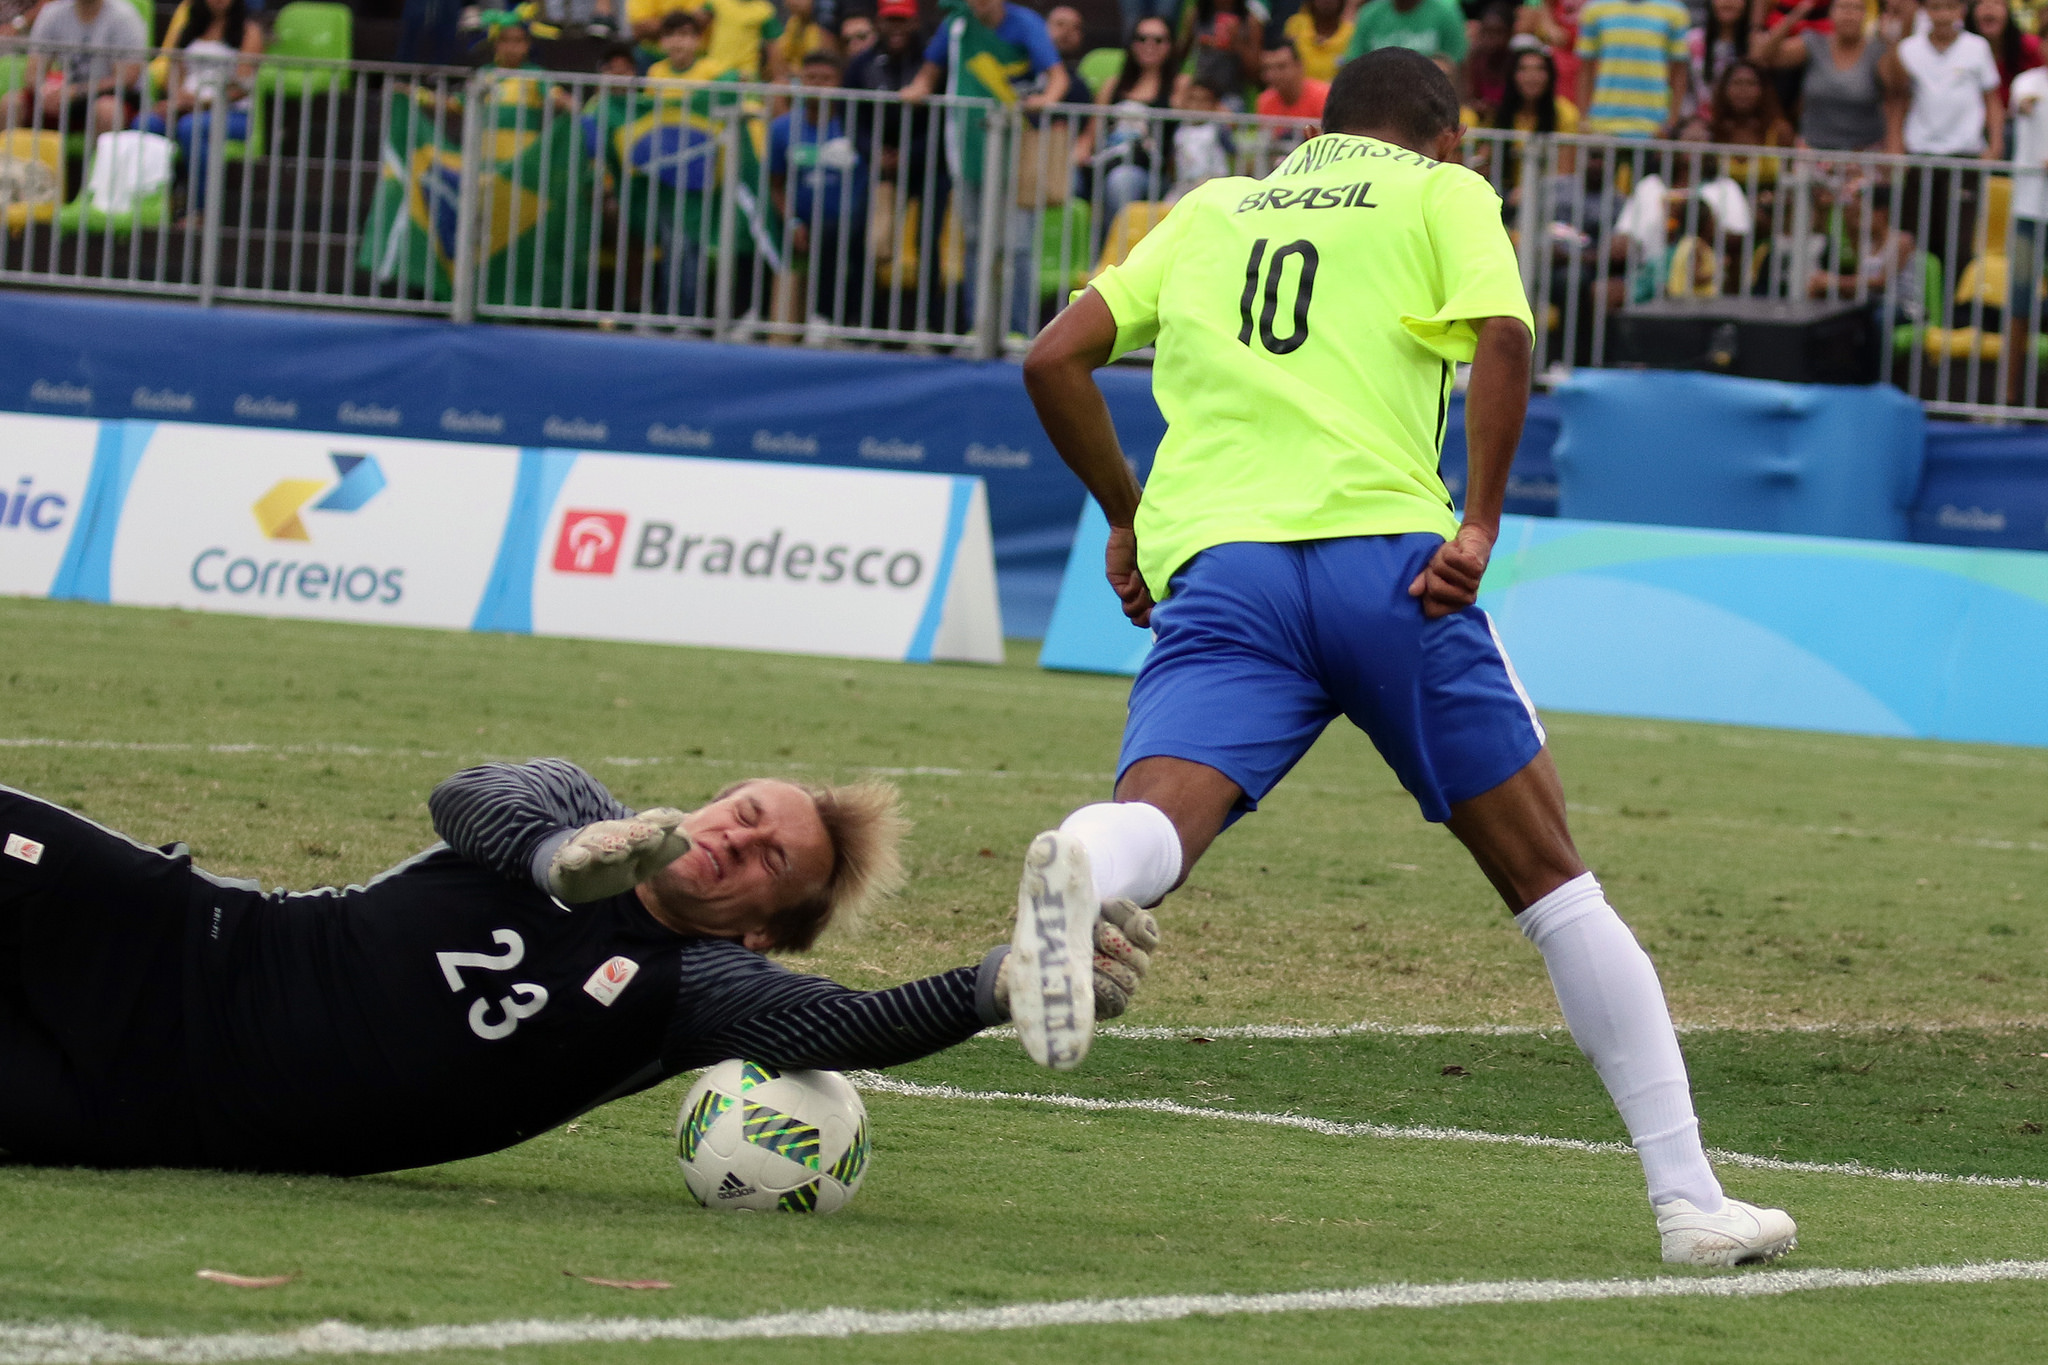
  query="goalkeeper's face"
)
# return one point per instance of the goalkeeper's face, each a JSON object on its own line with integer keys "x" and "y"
{"x": 758, "y": 849}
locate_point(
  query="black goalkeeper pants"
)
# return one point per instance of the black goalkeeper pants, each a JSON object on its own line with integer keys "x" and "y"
{"x": 93, "y": 933}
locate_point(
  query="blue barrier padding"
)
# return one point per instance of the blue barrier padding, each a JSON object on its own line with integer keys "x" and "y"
{"x": 540, "y": 387}
{"x": 1984, "y": 486}
{"x": 1799, "y": 632}
{"x": 507, "y": 603}
{"x": 1677, "y": 449}
{"x": 1532, "y": 479}
{"x": 86, "y": 572}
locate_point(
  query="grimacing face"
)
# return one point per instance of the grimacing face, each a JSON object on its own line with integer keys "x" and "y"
{"x": 758, "y": 849}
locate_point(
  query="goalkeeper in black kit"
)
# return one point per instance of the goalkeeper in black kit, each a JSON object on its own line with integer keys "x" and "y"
{"x": 554, "y": 952}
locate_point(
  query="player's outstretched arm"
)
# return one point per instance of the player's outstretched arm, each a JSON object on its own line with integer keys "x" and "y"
{"x": 519, "y": 819}
{"x": 1496, "y": 402}
{"x": 1059, "y": 374}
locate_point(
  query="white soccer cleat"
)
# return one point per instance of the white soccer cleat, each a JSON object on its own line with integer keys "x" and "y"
{"x": 1051, "y": 967}
{"x": 1740, "y": 1234}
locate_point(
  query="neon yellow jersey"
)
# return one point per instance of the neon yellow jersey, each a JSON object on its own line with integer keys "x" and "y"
{"x": 1306, "y": 324}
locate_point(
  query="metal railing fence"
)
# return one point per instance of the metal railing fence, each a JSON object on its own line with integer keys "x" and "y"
{"x": 809, "y": 215}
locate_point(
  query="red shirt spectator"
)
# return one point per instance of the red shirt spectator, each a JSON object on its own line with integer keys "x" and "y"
{"x": 2014, "y": 50}
{"x": 1289, "y": 93}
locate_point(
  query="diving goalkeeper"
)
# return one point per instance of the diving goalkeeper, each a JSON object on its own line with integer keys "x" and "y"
{"x": 554, "y": 952}
{"x": 1297, "y": 557}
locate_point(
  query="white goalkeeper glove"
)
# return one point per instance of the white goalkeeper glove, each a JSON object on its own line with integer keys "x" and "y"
{"x": 612, "y": 857}
{"x": 1125, "y": 936}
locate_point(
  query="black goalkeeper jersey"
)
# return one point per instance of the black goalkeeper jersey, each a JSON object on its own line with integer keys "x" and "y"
{"x": 448, "y": 1008}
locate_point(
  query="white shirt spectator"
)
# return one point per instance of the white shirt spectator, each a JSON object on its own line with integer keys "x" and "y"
{"x": 1947, "y": 115}
{"x": 2030, "y": 143}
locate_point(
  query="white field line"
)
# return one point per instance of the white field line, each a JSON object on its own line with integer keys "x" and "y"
{"x": 87, "y": 1344}
{"x": 889, "y": 1085}
{"x": 1371, "y": 1029}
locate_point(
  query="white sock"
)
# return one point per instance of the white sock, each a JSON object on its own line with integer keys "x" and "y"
{"x": 1133, "y": 849}
{"x": 1615, "y": 1008}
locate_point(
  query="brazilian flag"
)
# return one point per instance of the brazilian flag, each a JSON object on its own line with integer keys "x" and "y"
{"x": 535, "y": 197}
{"x": 982, "y": 65}
{"x": 671, "y": 163}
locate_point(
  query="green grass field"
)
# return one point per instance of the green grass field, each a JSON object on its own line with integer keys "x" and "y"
{"x": 1851, "y": 932}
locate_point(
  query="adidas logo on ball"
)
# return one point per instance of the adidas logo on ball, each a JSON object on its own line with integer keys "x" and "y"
{"x": 732, "y": 1187}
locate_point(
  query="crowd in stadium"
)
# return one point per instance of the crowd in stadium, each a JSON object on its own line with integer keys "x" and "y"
{"x": 1953, "y": 79}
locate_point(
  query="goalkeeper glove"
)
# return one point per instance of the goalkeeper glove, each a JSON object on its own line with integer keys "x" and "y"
{"x": 612, "y": 857}
{"x": 1125, "y": 936}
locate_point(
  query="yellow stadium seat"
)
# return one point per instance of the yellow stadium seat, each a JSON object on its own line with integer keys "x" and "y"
{"x": 1130, "y": 225}
{"x": 23, "y": 144}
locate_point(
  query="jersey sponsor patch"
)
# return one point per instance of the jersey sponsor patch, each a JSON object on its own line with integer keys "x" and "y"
{"x": 28, "y": 850}
{"x": 608, "y": 981}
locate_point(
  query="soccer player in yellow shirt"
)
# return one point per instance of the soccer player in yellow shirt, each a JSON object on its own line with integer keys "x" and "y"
{"x": 1297, "y": 557}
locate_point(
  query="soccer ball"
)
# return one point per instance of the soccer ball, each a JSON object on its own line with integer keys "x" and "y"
{"x": 753, "y": 1136}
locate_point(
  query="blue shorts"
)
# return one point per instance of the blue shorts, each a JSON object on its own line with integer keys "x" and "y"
{"x": 1260, "y": 647}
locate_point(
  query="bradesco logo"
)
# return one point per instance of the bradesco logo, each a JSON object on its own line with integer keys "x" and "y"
{"x": 24, "y": 509}
{"x": 279, "y": 515}
{"x": 590, "y": 543}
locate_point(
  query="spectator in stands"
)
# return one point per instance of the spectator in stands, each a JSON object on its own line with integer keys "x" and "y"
{"x": 1746, "y": 114}
{"x": 2015, "y": 51}
{"x": 512, "y": 50}
{"x": 1069, "y": 34}
{"x": 682, "y": 50}
{"x": 735, "y": 31}
{"x": 91, "y": 90}
{"x": 1842, "y": 103}
{"x": 1633, "y": 65}
{"x": 1671, "y": 225}
{"x": 1532, "y": 104}
{"x": 1487, "y": 60}
{"x": 1224, "y": 37}
{"x": 1321, "y": 33}
{"x": 1132, "y": 11}
{"x": 2029, "y": 219}
{"x": 1289, "y": 93}
{"x": 643, "y": 19}
{"x": 207, "y": 72}
{"x": 801, "y": 35}
{"x": 1202, "y": 151}
{"x": 1954, "y": 111}
{"x": 1862, "y": 252}
{"x": 1556, "y": 23}
{"x": 1426, "y": 26}
{"x": 1124, "y": 144}
{"x": 1712, "y": 47}
{"x": 856, "y": 34}
{"x": 997, "y": 50}
{"x": 819, "y": 182}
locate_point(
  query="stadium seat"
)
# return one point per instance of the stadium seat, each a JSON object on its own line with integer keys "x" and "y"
{"x": 22, "y": 144}
{"x": 1100, "y": 65}
{"x": 308, "y": 28}
{"x": 13, "y": 66}
{"x": 1131, "y": 223}
{"x": 1068, "y": 238}
{"x": 151, "y": 207}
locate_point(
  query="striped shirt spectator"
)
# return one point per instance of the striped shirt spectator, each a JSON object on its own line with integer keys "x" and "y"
{"x": 1633, "y": 62}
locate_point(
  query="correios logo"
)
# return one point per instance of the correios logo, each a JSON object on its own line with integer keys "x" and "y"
{"x": 358, "y": 478}
{"x": 590, "y": 542}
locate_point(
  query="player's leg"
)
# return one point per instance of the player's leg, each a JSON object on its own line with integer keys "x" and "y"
{"x": 1223, "y": 707}
{"x": 1442, "y": 704}
{"x": 92, "y": 939}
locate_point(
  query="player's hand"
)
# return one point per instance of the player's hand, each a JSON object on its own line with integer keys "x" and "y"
{"x": 1124, "y": 939}
{"x": 1450, "y": 581}
{"x": 1125, "y": 936}
{"x": 1121, "y": 563}
{"x": 612, "y": 857}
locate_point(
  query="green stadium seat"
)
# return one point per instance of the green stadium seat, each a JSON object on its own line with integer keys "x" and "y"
{"x": 1100, "y": 65}
{"x": 308, "y": 28}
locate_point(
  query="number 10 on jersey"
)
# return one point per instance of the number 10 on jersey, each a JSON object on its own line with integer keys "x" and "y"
{"x": 1267, "y": 300}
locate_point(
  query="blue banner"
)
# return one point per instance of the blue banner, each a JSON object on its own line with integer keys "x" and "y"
{"x": 1801, "y": 632}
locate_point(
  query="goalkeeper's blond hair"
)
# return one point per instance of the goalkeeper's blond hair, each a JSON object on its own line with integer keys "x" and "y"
{"x": 865, "y": 824}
